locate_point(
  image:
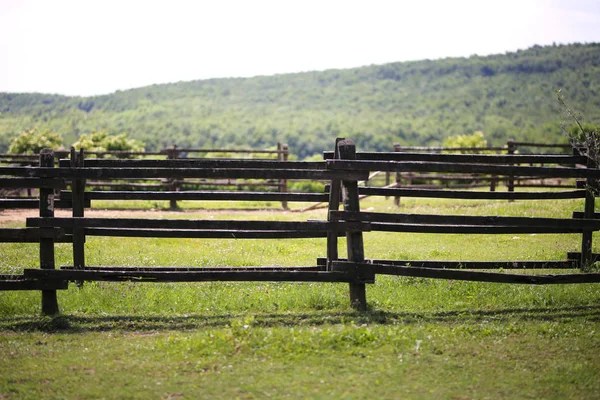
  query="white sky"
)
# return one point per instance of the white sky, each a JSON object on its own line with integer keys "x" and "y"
{"x": 80, "y": 47}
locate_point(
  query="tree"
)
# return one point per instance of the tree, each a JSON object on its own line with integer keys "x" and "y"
{"x": 102, "y": 141}
{"x": 583, "y": 135}
{"x": 475, "y": 140}
{"x": 33, "y": 141}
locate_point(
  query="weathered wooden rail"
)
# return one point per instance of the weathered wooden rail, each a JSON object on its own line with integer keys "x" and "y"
{"x": 344, "y": 168}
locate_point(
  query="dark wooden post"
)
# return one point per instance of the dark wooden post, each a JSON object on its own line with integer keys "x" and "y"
{"x": 49, "y": 300}
{"x": 398, "y": 176}
{"x": 387, "y": 181}
{"x": 494, "y": 178}
{"x": 283, "y": 156}
{"x": 334, "y": 205}
{"x": 588, "y": 213}
{"x": 510, "y": 150}
{"x": 493, "y": 181}
{"x": 172, "y": 154}
{"x": 78, "y": 196}
{"x": 354, "y": 240}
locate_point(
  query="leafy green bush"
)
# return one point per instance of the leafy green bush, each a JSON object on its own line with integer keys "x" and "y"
{"x": 476, "y": 140}
{"x": 33, "y": 141}
{"x": 306, "y": 187}
{"x": 102, "y": 141}
{"x": 586, "y": 136}
{"x": 579, "y": 133}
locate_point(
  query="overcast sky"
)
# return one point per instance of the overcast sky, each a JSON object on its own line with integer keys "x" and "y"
{"x": 80, "y": 47}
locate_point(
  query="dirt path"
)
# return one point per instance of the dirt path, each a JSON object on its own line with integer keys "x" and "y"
{"x": 19, "y": 215}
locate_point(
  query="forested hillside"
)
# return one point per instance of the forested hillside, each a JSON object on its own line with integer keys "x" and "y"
{"x": 413, "y": 103}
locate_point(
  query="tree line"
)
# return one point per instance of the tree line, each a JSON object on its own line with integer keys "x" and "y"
{"x": 510, "y": 95}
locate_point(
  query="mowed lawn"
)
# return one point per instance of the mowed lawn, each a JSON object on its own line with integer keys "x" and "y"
{"x": 421, "y": 338}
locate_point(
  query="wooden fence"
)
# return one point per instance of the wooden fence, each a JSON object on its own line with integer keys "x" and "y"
{"x": 438, "y": 180}
{"x": 429, "y": 180}
{"x": 343, "y": 170}
{"x": 173, "y": 183}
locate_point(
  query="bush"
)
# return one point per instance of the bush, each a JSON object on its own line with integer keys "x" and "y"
{"x": 33, "y": 141}
{"x": 102, "y": 141}
{"x": 475, "y": 140}
{"x": 306, "y": 187}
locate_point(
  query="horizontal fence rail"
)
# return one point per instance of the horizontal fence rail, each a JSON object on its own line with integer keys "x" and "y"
{"x": 470, "y": 275}
{"x": 470, "y": 158}
{"x": 457, "y": 194}
{"x": 582, "y": 224}
{"x": 137, "y": 173}
{"x": 194, "y": 224}
{"x": 290, "y": 275}
{"x": 475, "y": 265}
{"x": 469, "y": 194}
{"x": 415, "y": 166}
{"x": 197, "y": 163}
{"x": 200, "y": 195}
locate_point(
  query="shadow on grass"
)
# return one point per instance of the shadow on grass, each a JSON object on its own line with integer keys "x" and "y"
{"x": 83, "y": 323}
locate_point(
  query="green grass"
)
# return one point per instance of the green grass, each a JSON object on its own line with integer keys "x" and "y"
{"x": 420, "y": 338}
{"x": 187, "y": 205}
{"x": 351, "y": 357}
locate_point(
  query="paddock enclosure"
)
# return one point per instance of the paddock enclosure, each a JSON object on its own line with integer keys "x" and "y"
{"x": 342, "y": 169}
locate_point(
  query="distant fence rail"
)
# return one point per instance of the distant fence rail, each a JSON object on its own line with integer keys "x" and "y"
{"x": 343, "y": 169}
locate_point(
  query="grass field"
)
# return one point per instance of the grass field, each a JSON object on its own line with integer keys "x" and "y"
{"x": 420, "y": 338}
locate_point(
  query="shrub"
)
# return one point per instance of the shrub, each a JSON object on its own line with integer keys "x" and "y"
{"x": 33, "y": 141}
{"x": 102, "y": 141}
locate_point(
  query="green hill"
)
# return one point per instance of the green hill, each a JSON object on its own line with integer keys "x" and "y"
{"x": 413, "y": 103}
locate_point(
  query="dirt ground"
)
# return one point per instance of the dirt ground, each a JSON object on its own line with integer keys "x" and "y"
{"x": 19, "y": 215}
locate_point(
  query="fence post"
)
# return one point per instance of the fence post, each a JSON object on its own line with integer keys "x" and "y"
{"x": 398, "y": 176}
{"x": 387, "y": 181}
{"x": 510, "y": 150}
{"x": 283, "y": 182}
{"x": 172, "y": 154}
{"x": 588, "y": 213}
{"x": 354, "y": 240}
{"x": 493, "y": 182}
{"x": 49, "y": 300}
{"x": 494, "y": 178}
{"x": 78, "y": 210}
{"x": 334, "y": 205}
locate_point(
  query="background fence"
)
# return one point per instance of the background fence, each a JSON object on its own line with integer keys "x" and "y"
{"x": 23, "y": 196}
{"x": 440, "y": 180}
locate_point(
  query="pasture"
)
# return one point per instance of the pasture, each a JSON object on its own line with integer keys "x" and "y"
{"x": 420, "y": 338}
